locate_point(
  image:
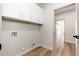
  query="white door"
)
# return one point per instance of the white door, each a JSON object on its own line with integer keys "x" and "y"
{"x": 77, "y": 29}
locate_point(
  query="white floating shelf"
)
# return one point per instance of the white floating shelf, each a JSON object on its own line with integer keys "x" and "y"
{"x": 21, "y": 20}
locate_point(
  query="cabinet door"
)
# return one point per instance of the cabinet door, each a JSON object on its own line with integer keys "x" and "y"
{"x": 11, "y": 9}
{"x": 17, "y": 10}
{"x": 40, "y": 15}
{"x": 25, "y": 11}
{"x": 37, "y": 13}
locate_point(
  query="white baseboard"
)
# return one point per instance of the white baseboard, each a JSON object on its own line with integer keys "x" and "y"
{"x": 22, "y": 53}
{"x": 70, "y": 42}
{"x": 50, "y": 48}
{"x": 26, "y": 51}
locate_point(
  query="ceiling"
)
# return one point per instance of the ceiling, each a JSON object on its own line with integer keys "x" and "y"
{"x": 42, "y": 4}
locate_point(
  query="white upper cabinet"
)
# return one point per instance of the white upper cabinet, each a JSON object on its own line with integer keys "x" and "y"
{"x": 37, "y": 13}
{"x": 26, "y": 11}
{"x": 11, "y": 9}
{"x": 17, "y": 10}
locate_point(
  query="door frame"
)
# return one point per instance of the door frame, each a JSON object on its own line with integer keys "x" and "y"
{"x": 55, "y": 35}
{"x": 64, "y": 26}
{"x": 77, "y": 13}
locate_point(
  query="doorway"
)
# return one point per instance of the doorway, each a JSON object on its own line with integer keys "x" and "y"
{"x": 60, "y": 33}
{"x": 65, "y": 29}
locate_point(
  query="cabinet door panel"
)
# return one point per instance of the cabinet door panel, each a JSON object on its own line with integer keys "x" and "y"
{"x": 11, "y": 9}
{"x": 37, "y": 13}
{"x": 40, "y": 15}
{"x": 25, "y": 11}
{"x": 34, "y": 12}
{"x": 17, "y": 10}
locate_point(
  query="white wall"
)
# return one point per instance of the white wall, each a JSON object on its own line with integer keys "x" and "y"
{"x": 27, "y": 34}
{"x": 48, "y": 28}
{"x": 69, "y": 18}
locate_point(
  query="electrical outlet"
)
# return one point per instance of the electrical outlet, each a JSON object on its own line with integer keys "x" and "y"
{"x": 23, "y": 49}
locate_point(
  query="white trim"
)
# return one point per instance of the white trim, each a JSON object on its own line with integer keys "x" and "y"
{"x": 21, "y": 20}
{"x": 50, "y": 48}
{"x": 26, "y": 51}
{"x": 70, "y": 42}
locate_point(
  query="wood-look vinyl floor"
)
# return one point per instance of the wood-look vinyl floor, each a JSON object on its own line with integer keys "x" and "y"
{"x": 40, "y": 51}
{"x": 69, "y": 50}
